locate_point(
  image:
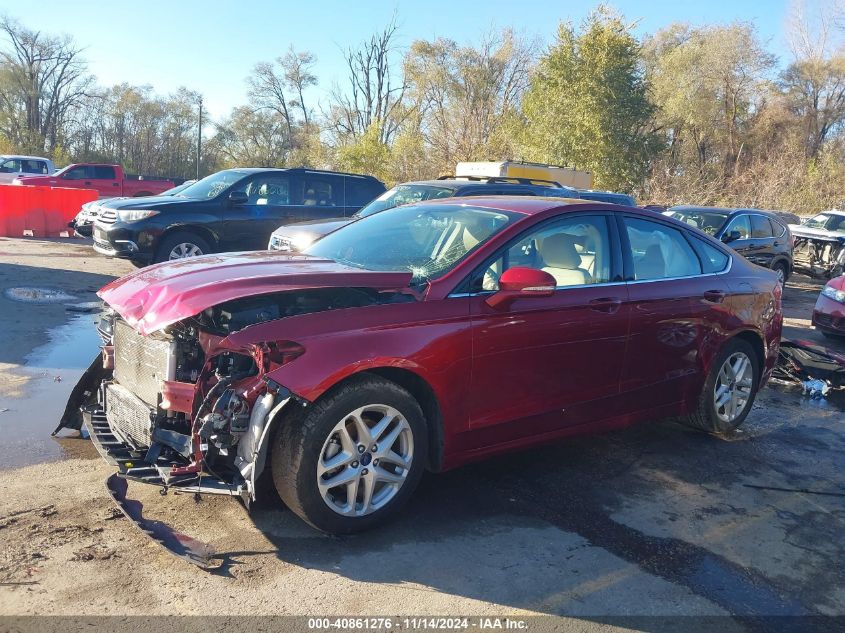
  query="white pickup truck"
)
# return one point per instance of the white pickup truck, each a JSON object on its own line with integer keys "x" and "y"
{"x": 12, "y": 166}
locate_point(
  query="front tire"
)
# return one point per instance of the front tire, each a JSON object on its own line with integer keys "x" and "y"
{"x": 181, "y": 245}
{"x": 353, "y": 459}
{"x": 729, "y": 390}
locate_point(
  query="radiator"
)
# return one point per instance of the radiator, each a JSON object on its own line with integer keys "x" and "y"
{"x": 141, "y": 363}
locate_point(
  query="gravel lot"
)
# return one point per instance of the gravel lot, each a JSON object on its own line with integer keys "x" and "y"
{"x": 653, "y": 521}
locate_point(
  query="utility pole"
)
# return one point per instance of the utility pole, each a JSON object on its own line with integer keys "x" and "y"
{"x": 199, "y": 140}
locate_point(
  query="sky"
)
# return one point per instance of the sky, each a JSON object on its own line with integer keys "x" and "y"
{"x": 210, "y": 46}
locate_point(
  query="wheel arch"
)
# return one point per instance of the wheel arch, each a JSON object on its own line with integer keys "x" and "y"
{"x": 201, "y": 231}
{"x": 424, "y": 394}
{"x": 756, "y": 341}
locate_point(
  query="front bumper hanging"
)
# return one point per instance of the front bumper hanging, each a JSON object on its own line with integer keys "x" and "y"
{"x": 146, "y": 467}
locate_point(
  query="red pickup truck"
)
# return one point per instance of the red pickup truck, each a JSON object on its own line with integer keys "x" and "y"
{"x": 108, "y": 180}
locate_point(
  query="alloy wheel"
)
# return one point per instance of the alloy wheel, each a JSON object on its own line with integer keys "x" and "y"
{"x": 733, "y": 387}
{"x": 183, "y": 250}
{"x": 365, "y": 460}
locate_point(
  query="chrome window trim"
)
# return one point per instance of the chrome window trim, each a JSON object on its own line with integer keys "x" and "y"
{"x": 724, "y": 271}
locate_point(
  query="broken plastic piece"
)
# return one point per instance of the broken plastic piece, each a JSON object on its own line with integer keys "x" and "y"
{"x": 185, "y": 547}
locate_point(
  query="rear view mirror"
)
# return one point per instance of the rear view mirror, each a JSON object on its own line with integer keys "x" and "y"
{"x": 238, "y": 197}
{"x": 731, "y": 236}
{"x": 520, "y": 282}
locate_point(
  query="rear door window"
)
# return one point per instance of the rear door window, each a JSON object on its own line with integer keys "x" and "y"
{"x": 34, "y": 167}
{"x": 321, "y": 191}
{"x": 102, "y": 172}
{"x": 713, "y": 260}
{"x": 760, "y": 227}
{"x": 659, "y": 251}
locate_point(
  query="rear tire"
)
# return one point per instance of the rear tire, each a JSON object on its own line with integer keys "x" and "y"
{"x": 370, "y": 492}
{"x": 181, "y": 245}
{"x": 728, "y": 394}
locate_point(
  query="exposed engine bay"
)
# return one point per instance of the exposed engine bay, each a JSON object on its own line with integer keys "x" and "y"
{"x": 819, "y": 256}
{"x": 180, "y": 408}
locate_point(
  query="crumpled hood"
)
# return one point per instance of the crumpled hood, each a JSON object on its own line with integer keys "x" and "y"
{"x": 799, "y": 230}
{"x": 155, "y": 297}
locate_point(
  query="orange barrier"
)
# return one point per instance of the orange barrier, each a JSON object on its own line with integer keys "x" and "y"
{"x": 45, "y": 211}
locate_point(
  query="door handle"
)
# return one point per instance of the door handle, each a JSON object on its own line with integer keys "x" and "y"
{"x": 87, "y": 182}
{"x": 714, "y": 296}
{"x": 605, "y": 304}
{"x": 115, "y": 184}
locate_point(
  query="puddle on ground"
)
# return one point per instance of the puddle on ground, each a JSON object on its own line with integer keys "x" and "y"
{"x": 31, "y": 409}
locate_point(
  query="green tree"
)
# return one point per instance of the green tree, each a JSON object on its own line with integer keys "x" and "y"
{"x": 588, "y": 104}
{"x": 368, "y": 154}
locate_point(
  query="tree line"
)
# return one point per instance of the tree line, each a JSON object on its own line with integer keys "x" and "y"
{"x": 697, "y": 114}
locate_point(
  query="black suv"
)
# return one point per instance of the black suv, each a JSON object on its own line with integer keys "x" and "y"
{"x": 760, "y": 236}
{"x": 296, "y": 237}
{"x": 232, "y": 210}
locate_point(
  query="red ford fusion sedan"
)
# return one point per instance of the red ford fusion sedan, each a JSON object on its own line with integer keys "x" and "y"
{"x": 419, "y": 338}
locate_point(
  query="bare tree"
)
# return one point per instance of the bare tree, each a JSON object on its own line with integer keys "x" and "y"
{"x": 374, "y": 95}
{"x": 267, "y": 91}
{"x": 298, "y": 77}
{"x": 43, "y": 78}
{"x": 814, "y": 83}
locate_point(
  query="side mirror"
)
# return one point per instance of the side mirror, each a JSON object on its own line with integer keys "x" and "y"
{"x": 520, "y": 282}
{"x": 238, "y": 197}
{"x": 731, "y": 236}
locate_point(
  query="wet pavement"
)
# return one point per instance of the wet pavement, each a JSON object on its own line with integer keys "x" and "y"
{"x": 37, "y": 391}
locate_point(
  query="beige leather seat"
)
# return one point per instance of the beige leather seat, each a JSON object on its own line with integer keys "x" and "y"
{"x": 562, "y": 261}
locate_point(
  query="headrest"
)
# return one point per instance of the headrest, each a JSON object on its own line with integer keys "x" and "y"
{"x": 558, "y": 251}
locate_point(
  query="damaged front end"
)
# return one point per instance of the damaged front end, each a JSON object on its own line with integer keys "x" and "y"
{"x": 183, "y": 407}
{"x": 821, "y": 256}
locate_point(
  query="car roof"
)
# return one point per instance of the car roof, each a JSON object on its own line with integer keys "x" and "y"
{"x": 304, "y": 170}
{"x": 831, "y": 212}
{"x": 526, "y": 205}
{"x": 458, "y": 183}
{"x": 727, "y": 210}
{"x": 24, "y": 157}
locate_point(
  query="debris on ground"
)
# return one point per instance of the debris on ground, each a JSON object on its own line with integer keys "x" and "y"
{"x": 815, "y": 388}
{"x": 817, "y": 369}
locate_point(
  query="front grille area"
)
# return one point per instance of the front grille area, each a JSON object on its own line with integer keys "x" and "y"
{"x": 128, "y": 416}
{"x": 141, "y": 363}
